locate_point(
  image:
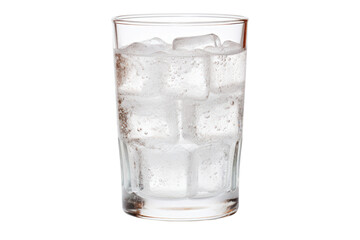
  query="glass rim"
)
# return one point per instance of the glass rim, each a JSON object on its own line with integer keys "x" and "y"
{"x": 205, "y": 19}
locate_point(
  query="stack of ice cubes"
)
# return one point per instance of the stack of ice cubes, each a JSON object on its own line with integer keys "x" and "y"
{"x": 180, "y": 114}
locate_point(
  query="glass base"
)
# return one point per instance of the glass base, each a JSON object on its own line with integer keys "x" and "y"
{"x": 187, "y": 209}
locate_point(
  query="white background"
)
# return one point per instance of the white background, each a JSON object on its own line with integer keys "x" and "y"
{"x": 59, "y": 163}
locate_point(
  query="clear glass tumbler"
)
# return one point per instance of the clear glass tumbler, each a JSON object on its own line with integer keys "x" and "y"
{"x": 180, "y": 82}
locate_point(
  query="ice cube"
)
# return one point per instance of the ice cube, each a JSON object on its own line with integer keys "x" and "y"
{"x": 228, "y": 47}
{"x": 157, "y": 44}
{"x": 213, "y": 165}
{"x": 139, "y": 67}
{"x": 227, "y": 68}
{"x": 133, "y": 157}
{"x": 146, "y": 47}
{"x": 147, "y": 120}
{"x": 187, "y": 76}
{"x": 135, "y": 48}
{"x": 162, "y": 172}
{"x": 217, "y": 118}
{"x": 196, "y": 42}
{"x": 138, "y": 75}
{"x": 227, "y": 73}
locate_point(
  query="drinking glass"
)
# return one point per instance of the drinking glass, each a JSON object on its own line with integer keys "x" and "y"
{"x": 180, "y": 81}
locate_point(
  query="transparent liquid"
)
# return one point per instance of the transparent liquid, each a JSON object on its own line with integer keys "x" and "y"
{"x": 180, "y": 123}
